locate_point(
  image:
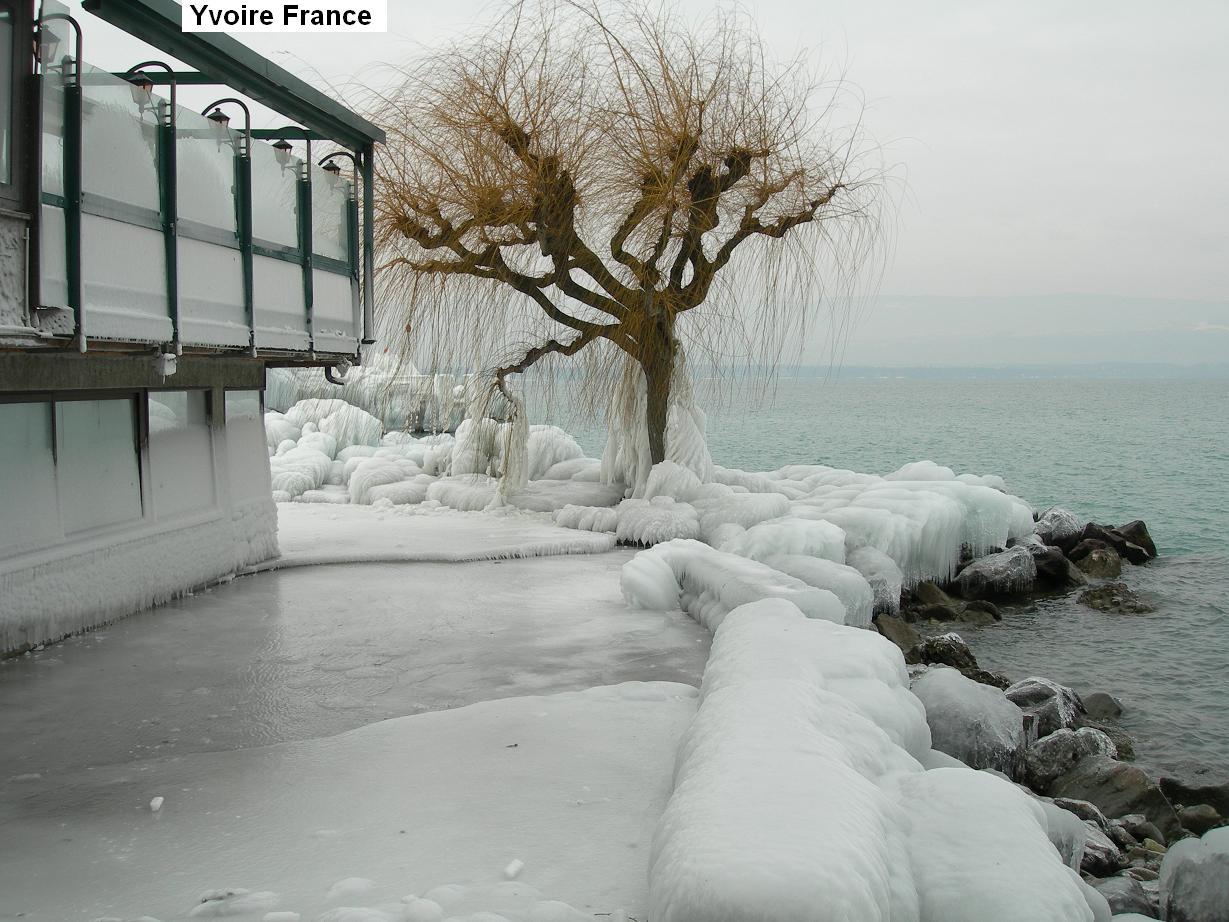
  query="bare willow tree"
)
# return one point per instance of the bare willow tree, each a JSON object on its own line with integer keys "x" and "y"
{"x": 582, "y": 177}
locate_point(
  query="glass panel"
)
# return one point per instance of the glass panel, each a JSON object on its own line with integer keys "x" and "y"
{"x": 28, "y": 515}
{"x": 6, "y": 96}
{"x": 180, "y": 452}
{"x": 119, "y": 141}
{"x": 275, "y": 203}
{"x": 57, "y": 34}
{"x": 330, "y": 227}
{"x": 247, "y": 453}
{"x": 206, "y": 171}
{"x": 97, "y": 461}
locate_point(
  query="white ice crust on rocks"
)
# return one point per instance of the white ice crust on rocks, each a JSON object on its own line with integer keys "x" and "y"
{"x": 1012, "y": 570}
{"x": 1195, "y": 879}
{"x": 975, "y": 723}
{"x": 800, "y": 793}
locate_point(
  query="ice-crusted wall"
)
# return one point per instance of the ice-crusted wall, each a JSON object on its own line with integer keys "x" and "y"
{"x": 105, "y": 580}
{"x": 85, "y": 582}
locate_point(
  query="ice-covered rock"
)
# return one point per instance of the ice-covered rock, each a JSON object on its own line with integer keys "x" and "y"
{"x": 1004, "y": 573}
{"x": 1059, "y": 752}
{"x": 652, "y": 521}
{"x": 970, "y": 721}
{"x": 1056, "y": 524}
{"x": 549, "y": 446}
{"x": 1195, "y": 879}
{"x": 789, "y": 537}
{"x": 1125, "y": 894}
{"x": 883, "y": 575}
{"x": 1050, "y": 706}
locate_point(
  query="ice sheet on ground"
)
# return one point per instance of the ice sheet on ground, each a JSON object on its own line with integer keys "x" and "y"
{"x": 314, "y": 534}
{"x": 529, "y": 779}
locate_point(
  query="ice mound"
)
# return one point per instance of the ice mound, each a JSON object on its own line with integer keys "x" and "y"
{"x": 846, "y": 583}
{"x": 1195, "y": 879}
{"x": 975, "y": 723}
{"x": 708, "y": 584}
{"x": 793, "y": 800}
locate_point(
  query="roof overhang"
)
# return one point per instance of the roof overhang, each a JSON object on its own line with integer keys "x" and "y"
{"x": 230, "y": 62}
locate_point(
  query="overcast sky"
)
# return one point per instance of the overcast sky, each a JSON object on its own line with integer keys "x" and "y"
{"x": 1049, "y": 147}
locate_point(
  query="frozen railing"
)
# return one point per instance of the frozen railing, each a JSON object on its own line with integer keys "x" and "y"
{"x": 161, "y": 226}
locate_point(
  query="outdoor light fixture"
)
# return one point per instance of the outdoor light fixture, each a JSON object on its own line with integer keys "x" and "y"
{"x": 221, "y": 122}
{"x": 330, "y": 166}
{"x": 142, "y": 89}
{"x": 281, "y": 150}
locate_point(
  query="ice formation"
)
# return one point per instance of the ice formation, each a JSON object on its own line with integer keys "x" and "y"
{"x": 1195, "y": 879}
{"x": 975, "y": 723}
{"x": 800, "y": 792}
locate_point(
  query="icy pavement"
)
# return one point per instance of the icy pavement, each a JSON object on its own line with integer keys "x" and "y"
{"x": 158, "y": 704}
{"x": 569, "y": 786}
{"x": 321, "y": 533}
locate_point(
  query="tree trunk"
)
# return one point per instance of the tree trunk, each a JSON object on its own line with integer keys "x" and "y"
{"x": 657, "y": 362}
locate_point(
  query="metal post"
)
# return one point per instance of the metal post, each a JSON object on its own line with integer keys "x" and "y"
{"x": 369, "y": 260}
{"x": 305, "y": 247}
{"x": 243, "y": 181}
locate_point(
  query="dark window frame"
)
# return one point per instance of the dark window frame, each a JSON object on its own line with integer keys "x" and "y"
{"x": 15, "y": 194}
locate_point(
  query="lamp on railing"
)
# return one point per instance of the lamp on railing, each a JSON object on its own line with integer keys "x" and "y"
{"x": 330, "y": 166}
{"x": 142, "y": 86}
{"x": 49, "y": 40}
{"x": 281, "y": 152}
{"x": 221, "y": 122}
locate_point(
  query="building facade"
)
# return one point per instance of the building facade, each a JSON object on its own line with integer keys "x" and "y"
{"x": 154, "y": 262}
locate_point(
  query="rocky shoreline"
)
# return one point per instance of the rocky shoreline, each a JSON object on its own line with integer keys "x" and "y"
{"x": 1150, "y": 843}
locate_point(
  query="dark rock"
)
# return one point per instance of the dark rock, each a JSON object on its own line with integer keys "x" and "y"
{"x": 1084, "y": 810}
{"x": 1190, "y": 794}
{"x": 1051, "y": 706}
{"x": 1131, "y": 551}
{"x": 1200, "y": 818}
{"x": 996, "y": 679}
{"x": 1141, "y": 873}
{"x": 1101, "y": 856}
{"x": 976, "y": 617}
{"x": 944, "y": 650}
{"x": 927, "y": 593}
{"x": 897, "y": 631}
{"x": 982, "y": 605}
{"x": 1118, "y": 788}
{"x": 1057, "y": 754}
{"x": 1122, "y": 740}
{"x": 1142, "y": 828}
{"x": 1137, "y": 533}
{"x": 1101, "y": 564}
{"x": 1114, "y": 597}
{"x": 1006, "y": 573}
{"x": 1087, "y": 546}
{"x": 1121, "y": 835}
{"x": 1102, "y": 706}
{"x": 938, "y": 612}
{"x": 1126, "y": 894}
{"x": 1054, "y": 569}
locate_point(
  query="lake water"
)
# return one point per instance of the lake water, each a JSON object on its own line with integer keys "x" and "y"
{"x": 1109, "y": 450}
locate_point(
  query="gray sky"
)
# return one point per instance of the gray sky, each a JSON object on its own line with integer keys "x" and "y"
{"x": 1048, "y": 148}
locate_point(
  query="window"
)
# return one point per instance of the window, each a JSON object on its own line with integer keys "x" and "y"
{"x": 8, "y": 34}
{"x": 28, "y": 508}
{"x": 246, "y": 448}
{"x": 96, "y": 455}
{"x": 180, "y": 452}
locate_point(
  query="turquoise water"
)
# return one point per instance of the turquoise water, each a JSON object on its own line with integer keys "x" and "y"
{"x": 1110, "y": 450}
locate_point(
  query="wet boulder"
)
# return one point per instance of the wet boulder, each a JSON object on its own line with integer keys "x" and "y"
{"x": 1195, "y": 879}
{"x": 1101, "y": 856}
{"x": 1126, "y": 894}
{"x": 898, "y": 631}
{"x": 971, "y": 722}
{"x": 1101, "y": 563}
{"x": 1050, "y": 706}
{"x": 1057, "y": 524}
{"x": 1137, "y": 533}
{"x": 1118, "y": 788}
{"x": 1125, "y": 548}
{"x": 982, "y": 605}
{"x": 1115, "y": 598}
{"x": 1055, "y": 570}
{"x": 1200, "y": 818}
{"x": 1102, "y": 706}
{"x": 945, "y": 650}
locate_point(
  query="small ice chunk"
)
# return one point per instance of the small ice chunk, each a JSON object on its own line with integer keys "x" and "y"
{"x": 348, "y": 887}
{"x": 156, "y": 804}
{"x": 514, "y": 868}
